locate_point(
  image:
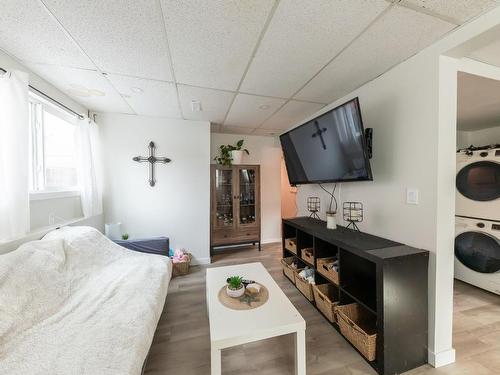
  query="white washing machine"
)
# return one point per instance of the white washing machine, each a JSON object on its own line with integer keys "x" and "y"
{"x": 478, "y": 184}
{"x": 477, "y": 253}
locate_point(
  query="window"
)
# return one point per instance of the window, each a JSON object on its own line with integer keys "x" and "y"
{"x": 52, "y": 151}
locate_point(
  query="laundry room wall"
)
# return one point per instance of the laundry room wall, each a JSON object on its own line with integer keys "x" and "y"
{"x": 481, "y": 137}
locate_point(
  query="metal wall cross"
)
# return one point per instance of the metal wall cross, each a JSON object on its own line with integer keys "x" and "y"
{"x": 319, "y": 133}
{"x": 152, "y": 160}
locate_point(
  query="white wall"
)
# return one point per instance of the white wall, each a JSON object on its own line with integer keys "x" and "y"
{"x": 179, "y": 205}
{"x": 41, "y": 210}
{"x": 265, "y": 151}
{"x": 412, "y": 109}
{"x": 481, "y": 137}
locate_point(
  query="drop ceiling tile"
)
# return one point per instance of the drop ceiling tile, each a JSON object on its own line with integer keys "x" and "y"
{"x": 212, "y": 41}
{"x": 251, "y": 110}
{"x": 74, "y": 82}
{"x": 267, "y": 132}
{"x": 148, "y": 97}
{"x": 292, "y": 114}
{"x": 302, "y": 37}
{"x": 214, "y": 103}
{"x": 28, "y": 32}
{"x": 124, "y": 37}
{"x": 459, "y": 10}
{"x": 397, "y": 35}
{"x": 235, "y": 130}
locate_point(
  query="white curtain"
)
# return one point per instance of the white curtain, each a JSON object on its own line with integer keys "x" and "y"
{"x": 14, "y": 155}
{"x": 89, "y": 174}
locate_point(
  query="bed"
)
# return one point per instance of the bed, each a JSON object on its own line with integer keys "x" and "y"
{"x": 77, "y": 303}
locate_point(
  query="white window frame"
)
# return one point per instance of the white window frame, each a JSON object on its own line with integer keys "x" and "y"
{"x": 38, "y": 191}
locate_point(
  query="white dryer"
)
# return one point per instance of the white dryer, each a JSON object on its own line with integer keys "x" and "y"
{"x": 477, "y": 253}
{"x": 478, "y": 184}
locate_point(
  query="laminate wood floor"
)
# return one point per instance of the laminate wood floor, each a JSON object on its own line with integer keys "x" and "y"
{"x": 181, "y": 345}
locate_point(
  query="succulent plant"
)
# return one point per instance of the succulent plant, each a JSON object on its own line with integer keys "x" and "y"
{"x": 235, "y": 282}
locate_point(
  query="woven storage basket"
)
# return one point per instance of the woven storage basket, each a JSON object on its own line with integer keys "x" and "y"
{"x": 287, "y": 268}
{"x": 327, "y": 271}
{"x": 182, "y": 268}
{"x": 291, "y": 244}
{"x": 304, "y": 286}
{"x": 307, "y": 255}
{"x": 358, "y": 326}
{"x": 326, "y": 297}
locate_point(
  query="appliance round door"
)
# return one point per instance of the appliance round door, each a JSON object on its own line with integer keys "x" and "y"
{"x": 479, "y": 181}
{"x": 478, "y": 251}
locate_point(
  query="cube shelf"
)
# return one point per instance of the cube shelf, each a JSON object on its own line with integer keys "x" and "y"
{"x": 387, "y": 280}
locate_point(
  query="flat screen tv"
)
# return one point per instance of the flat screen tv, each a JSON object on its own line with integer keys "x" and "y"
{"x": 329, "y": 148}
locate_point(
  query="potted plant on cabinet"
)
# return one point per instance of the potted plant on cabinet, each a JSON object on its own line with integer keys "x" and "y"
{"x": 229, "y": 154}
{"x": 235, "y": 287}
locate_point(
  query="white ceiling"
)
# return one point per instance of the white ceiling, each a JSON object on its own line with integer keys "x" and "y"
{"x": 478, "y": 102}
{"x": 255, "y": 66}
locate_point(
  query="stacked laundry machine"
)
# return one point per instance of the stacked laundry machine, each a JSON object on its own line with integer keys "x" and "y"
{"x": 477, "y": 228}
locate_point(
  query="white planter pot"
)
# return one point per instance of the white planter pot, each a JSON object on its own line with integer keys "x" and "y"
{"x": 235, "y": 293}
{"x": 237, "y": 157}
{"x": 331, "y": 220}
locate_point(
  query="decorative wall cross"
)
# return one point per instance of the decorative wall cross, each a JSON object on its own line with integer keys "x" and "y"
{"x": 319, "y": 133}
{"x": 152, "y": 160}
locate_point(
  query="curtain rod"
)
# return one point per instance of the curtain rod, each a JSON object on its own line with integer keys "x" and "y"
{"x": 56, "y": 102}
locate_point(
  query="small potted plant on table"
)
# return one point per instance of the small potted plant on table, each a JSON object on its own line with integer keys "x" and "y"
{"x": 235, "y": 287}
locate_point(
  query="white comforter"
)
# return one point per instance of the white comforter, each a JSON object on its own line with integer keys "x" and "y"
{"x": 76, "y": 303}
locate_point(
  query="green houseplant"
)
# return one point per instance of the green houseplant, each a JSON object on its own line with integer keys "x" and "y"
{"x": 231, "y": 154}
{"x": 235, "y": 287}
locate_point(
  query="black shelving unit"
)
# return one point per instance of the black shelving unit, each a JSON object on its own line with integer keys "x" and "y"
{"x": 386, "y": 278}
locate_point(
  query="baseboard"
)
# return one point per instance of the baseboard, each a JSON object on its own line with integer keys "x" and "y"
{"x": 271, "y": 240}
{"x": 442, "y": 358}
{"x": 200, "y": 261}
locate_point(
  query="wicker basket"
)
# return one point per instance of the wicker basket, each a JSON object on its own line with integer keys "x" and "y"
{"x": 304, "y": 286}
{"x": 324, "y": 268}
{"x": 287, "y": 268}
{"x": 326, "y": 297}
{"x": 182, "y": 268}
{"x": 358, "y": 326}
{"x": 307, "y": 255}
{"x": 291, "y": 244}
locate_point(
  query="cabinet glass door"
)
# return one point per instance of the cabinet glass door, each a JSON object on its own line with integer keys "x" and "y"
{"x": 247, "y": 198}
{"x": 224, "y": 198}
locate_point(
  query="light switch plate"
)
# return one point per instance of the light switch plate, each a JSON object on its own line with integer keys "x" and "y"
{"x": 411, "y": 196}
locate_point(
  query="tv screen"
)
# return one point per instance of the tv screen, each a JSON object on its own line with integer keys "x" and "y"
{"x": 329, "y": 148}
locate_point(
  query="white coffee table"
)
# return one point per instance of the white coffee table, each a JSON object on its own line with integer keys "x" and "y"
{"x": 231, "y": 327}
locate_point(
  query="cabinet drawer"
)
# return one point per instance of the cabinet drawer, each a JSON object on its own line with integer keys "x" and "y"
{"x": 221, "y": 236}
{"x": 243, "y": 234}
{"x": 226, "y": 236}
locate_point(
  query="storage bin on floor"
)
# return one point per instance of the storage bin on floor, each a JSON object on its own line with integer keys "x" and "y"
{"x": 291, "y": 244}
{"x": 358, "y": 325}
{"x": 288, "y": 270}
{"x": 326, "y": 297}
{"x": 324, "y": 266}
{"x": 307, "y": 255}
{"x": 304, "y": 286}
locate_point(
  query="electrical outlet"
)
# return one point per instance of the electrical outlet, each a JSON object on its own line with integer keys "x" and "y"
{"x": 411, "y": 196}
{"x": 52, "y": 218}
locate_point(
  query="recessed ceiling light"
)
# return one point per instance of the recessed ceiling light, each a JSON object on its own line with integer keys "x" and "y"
{"x": 82, "y": 91}
{"x": 94, "y": 92}
{"x": 264, "y": 106}
{"x": 196, "y": 106}
{"x": 137, "y": 90}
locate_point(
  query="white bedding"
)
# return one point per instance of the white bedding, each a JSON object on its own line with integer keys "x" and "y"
{"x": 76, "y": 303}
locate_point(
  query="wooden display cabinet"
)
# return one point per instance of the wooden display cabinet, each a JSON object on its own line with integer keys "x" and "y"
{"x": 235, "y": 206}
